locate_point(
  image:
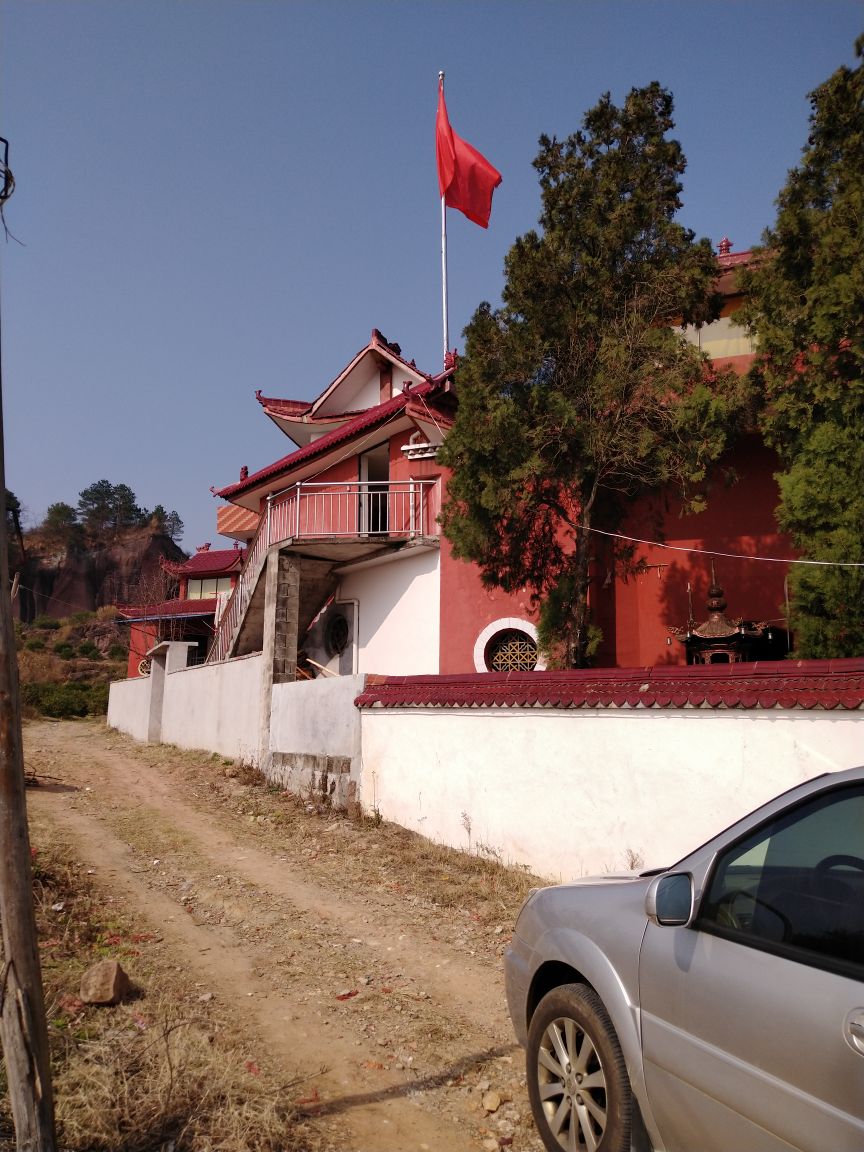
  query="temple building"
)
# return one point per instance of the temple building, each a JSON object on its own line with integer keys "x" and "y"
{"x": 343, "y": 567}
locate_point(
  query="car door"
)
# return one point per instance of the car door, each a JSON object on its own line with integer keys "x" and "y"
{"x": 753, "y": 1016}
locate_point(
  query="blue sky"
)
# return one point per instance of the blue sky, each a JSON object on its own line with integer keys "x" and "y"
{"x": 215, "y": 197}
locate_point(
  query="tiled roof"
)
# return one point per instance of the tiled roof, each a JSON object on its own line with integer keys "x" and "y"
{"x": 287, "y": 408}
{"x": 172, "y": 609}
{"x": 770, "y": 684}
{"x": 734, "y": 259}
{"x": 367, "y": 420}
{"x": 297, "y": 409}
{"x": 207, "y": 563}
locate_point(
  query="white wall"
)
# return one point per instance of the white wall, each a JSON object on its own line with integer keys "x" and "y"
{"x": 399, "y": 614}
{"x": 570, "y": 793}
{"x": 215, "y": 707}
{"x": 316, "y": 716}
{"x": 129, "y": 706}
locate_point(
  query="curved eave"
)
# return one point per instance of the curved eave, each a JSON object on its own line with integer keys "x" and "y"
{"x": 290, "y": 470}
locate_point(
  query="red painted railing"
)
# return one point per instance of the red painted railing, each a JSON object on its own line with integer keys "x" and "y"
{"x": 358, "y": 510}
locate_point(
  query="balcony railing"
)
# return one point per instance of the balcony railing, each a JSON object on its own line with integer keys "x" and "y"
{"x": 356, "y": 510}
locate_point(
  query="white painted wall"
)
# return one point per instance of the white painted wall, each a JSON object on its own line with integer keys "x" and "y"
{"x": 215, "y": 707}
{"x": 129, "y": 706}
{"x": 399, "y": 616}
{"x": 571, "y": 793}
{"x": 316, "y": 716}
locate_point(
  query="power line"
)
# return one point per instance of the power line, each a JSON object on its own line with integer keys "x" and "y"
{"x": 725, "y": 555}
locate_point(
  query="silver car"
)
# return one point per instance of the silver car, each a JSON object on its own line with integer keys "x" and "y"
{"x": 714, "y": 1007}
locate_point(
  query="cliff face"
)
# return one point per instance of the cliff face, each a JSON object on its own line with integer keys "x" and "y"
{"x": 58, "y": 582}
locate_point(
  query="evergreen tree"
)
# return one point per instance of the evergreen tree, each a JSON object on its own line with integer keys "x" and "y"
{"x": 167, "y": 522}
{"x": 61, "y": 526}
{"x": 13, "y": 515}
{"x": 60, "y": 517}
{"x": 806, "y": 309}
{"x": 106, "y": 507}
{"x": 579, "y": 392}
{"x": 173, "y": 526}
{"x": 14, "y": 532}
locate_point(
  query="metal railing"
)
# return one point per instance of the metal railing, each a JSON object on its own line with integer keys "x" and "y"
{"x": 352, "y": 510}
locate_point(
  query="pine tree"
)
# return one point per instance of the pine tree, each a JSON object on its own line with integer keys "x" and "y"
{"x": 579, "y": 392}
{"x": 806, "y": 309}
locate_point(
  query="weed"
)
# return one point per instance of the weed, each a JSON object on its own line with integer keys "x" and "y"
{"x": 466, "y": 824}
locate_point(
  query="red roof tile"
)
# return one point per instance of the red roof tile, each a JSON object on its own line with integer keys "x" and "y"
{"x": 209, "y": 563}
{"x": 768, "y": 684}
{"x": 287, "y": 408}
{"x": 367, "y": 420}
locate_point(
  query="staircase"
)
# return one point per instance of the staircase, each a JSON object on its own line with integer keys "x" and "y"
{"x": 329, "y": 515}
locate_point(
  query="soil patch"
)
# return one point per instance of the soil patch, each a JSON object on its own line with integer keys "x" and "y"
{"x": 356, "y": 964}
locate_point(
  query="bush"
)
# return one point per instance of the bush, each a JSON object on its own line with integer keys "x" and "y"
{"x": 89, "y": 650}
{"x": 46, "y": 622}
{"x": 64, "y": 650}
{"x": 34, "y": 645}
{"x": 64, "y": 701}
{"x": 81, "y": 617}
{"x": 117, "y": 652}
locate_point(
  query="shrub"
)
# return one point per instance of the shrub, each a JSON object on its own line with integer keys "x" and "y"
{"x": 81, "y": 617}
{"x": 89, "y": 650}
{"x": 64, "y": 650}
{"x": 117, "y": 652}
{"x": 34, "y": 645}
{"x": 46, "y": 622}
{"x": 64, "y": 701}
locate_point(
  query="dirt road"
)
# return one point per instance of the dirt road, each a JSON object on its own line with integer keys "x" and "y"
{"x": 335, "y": 947}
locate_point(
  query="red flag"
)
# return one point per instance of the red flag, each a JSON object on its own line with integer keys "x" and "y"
{"x": 465, "y": 178}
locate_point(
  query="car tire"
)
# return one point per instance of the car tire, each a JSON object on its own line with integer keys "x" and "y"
{"x": 577, "y": 1079}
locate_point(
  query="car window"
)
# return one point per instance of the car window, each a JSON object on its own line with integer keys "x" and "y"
{"x": 796, "y": 885}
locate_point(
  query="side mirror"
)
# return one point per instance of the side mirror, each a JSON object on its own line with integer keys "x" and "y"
{"x": 669, "y": 900}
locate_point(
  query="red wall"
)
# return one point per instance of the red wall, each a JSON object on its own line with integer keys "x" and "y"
{"x": 142, "y": 636}
{"x": 467, "y": 607}
{"x": 636, "y": 612}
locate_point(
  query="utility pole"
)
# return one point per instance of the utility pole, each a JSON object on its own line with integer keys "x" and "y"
{"x": 23, "y": 1027}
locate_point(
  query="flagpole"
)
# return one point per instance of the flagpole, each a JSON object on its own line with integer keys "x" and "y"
{"x": 445, "y": 325}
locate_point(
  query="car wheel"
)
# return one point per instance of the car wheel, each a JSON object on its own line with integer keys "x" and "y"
{"x": 577, "y": 1079}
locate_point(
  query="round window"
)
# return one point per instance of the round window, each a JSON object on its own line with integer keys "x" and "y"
{"x": 337, "y": 635}
{"x": 511, "y": 651}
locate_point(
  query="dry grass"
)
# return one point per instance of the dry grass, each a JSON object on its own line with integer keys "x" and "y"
{"x": 374, "y": 854}
{"x": 163, "y": 1070}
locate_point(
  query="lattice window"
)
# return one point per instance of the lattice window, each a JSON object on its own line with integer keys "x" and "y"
{"x": 511, "y": 651}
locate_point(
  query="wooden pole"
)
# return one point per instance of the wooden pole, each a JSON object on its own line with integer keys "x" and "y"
{"x": 23, "y": 1027}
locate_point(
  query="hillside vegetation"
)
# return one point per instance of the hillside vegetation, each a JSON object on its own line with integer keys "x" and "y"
{"x": 65, "y": 666}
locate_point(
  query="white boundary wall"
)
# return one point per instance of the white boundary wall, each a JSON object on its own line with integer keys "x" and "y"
{"x": 316, "y": 716}
{"x": 215, "y": 707}
{"x": 129, "y": 707}
{"x": 570, "y": 793}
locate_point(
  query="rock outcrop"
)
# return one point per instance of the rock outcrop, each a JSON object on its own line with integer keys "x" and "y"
{"x": 126, "y": 570}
